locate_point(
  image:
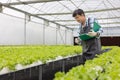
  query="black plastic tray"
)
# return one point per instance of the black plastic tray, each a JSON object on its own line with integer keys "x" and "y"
{"x": 44, "y": 71}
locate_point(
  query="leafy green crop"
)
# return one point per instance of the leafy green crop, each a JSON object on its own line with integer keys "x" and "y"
{"x": 10, "y": 56}
{"x": 105, "y": 67}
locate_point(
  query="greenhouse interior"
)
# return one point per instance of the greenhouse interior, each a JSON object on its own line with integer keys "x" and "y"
{"x": 59, "y": 39}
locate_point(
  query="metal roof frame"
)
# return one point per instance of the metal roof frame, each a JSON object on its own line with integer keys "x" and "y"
{"x": 97, "y": 19}
{"x": 29, "y": 2}
{"x": 27, "y": 13}
{"x": 12, "y": 5}
{"x": 91, "y": 11}
{"x": 99, "y": 23}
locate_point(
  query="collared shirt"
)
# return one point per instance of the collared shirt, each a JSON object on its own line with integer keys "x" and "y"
{"x": 92, "y": 20}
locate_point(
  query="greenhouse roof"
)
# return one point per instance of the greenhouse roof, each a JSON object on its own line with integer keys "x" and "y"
{"x": 60, "y": 11}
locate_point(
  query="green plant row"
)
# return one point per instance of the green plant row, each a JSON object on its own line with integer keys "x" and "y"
{"x": 10, "y": 56}
{"x": 105, "y": 67}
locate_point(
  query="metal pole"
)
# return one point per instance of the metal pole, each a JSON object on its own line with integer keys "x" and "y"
{"x": 44, "y": 34}
{"x": 40, "y": 72}
{"x": 25, "y": 30}
{"x": 56, "y": 35}
{"x": 46, "y": 23}
{"x": 72, "y": 38}
{"x": 1, "y": 9}
{"x": 65, "y": 37}
{"x": 57, "y": 29}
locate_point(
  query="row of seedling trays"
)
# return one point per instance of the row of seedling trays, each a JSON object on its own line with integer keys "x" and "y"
{"x": 39, "y": 71}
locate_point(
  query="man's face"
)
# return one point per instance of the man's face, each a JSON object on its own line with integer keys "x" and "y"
{"x": 80, "y": 18}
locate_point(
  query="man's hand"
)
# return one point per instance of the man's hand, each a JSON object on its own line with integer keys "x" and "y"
{"x": 77, "y": 41}
{"x": 92, "y": 34}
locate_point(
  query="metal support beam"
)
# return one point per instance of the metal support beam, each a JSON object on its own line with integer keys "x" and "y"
{"x": 29, "y": 2}
{"x": 108, "y": 18}
{"x": 54, "y": 14}
{"x": 99, "y": 23}
{"x": 28, "y": 18}
{"x": 91, "y": 11}
{"x": 65, "y": 37}
{"x": 105, "y": 27}
{"x": 72, "y": 39}
{"x": 44, "y": 31}
{"x": 112, "y": 26}
{"x": 57, "y": 30}
{"x": 25, "y": 22}
{"x": 72, "y": 24}
{"x": 97, "y": 19}
{"x": 63, "y": 20}
{"x": 1, "y": 9}
{"x": 27, "y": 13}
{"x": 111, "y": 23}
{"x": 46, "y": 23}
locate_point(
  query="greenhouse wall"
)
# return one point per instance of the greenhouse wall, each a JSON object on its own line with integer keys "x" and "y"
{"x": 111, "y": 31}
{"x": 107, "y": 31}
{"x": 13, "y": 31}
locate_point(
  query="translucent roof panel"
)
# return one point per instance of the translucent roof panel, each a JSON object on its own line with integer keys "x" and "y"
{"x": 60, "y": 11}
